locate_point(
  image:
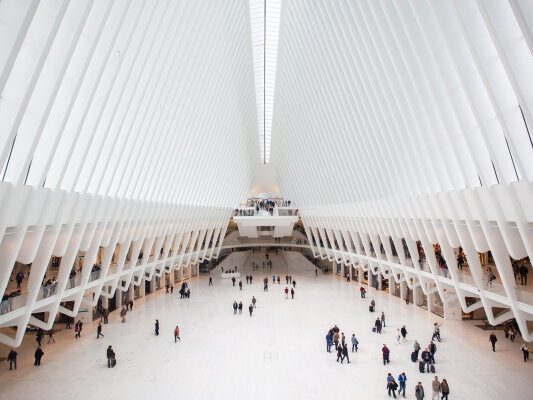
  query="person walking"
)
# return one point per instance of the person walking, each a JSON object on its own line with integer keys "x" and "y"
{"x": 51, "y": 336}
{"x": 251, "y": 309}
{"x": 279, "y": 280}
{"x": 523, "y": 274}
{"x": 77, "y": 330}
{"x": 157, "y": 327}
{"x": 436, "y": 332}
{"x": 328, "y": 342}
{"x": 240, "y": 307}
{"x": 355, "y": 343}
{"x": 254, "y": 301}
{"x": 210, "y": 281}
{"x": 402, "y": 379}
{"x": 131, "y": 305}
{"x": 339, "y": 353}
{"x": 240, "y": 285}
{"x": 38, "y": 355}
{"x": 419, "y": 391}
{"x": 176, "y": 334}
{"x": 233, "y": 280}
{"x": 99, "y": 331}
{"x": 292, "y": 293}
{"x": 110, "y": 357}
{"x": 39, "y": 337}
{"x": 345, "y": 353}
{"x": 106, "y": 316}
{"x": 235, "y": 307}
{"x": 391, "y": 385}
{"x": 493, "y": 339}
{"x": 525, "y": 351}
{"x": 363, "y": 292}
{"x": 123, "y": 314}
{"x": 383, "y": 319}
{"x": 286, "y": 292}
{"x": 386, "y": 354}
{"x": 12, "y": 357}
{"x": 445, "y": 389}
{"x": 435, "y": 389}
{"x": 343, "y": 339}
{"x": 403, "y": 331}
{"x": 273, "y": 278}
{"x": 294, "y": 284}
{"x": 372, "y": 305}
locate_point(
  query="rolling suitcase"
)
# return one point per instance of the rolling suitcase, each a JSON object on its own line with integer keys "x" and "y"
{"x": 374, "y": 329}
{"x": 432, "y": 368}
{"x": 413, "y": 356}
{"x": 421, "y": 366}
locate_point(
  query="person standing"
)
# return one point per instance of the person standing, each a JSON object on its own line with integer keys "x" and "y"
{"x": 523, "y": 274}
{"x": 123, "y": 314}
{"x": 377, "y": 324}
{"x": 493, "y": 339}
{"x": 402, "y": 379}
{"x": 106, "y": 316}
{"x": 12, "y": 357}
{"x": 292, "y": 293}
{"x": 336, "y": 339}
{"x": 383, "y": 319}
{"x": 273, "y": 278}
{"x": 386, "y": 354}
{"x": 286, "y": 292}
{"x": 354, "y": 343}
{"x": 343, "y": 339}
{"x": 419, "y": 391}
{"x": 525, "y": 350}
{"x": 235, "y": 306}
{"x": 99, "y": 331}
{"x": 372, "y": 305}
{"x": 76, "y": 330}
{"x": 432, "y": 350}
{"x": 110, "y": 357}
{"x": 435, "y": 389}
{"x": 176, "y": 334}
{"x": 445, "y": 389}
{"x": 38, "y": 355}
{"x": 436, "y": 332}
{"x": 426, "y": 358}
{"x": 157, "y": 327}
{"x": 345, "y": 353}
{"x": 240, "y": 285}
{"x": 240, "y": 307}
{"x": 416, "y": 349}
{"x": 254, "y": 301}
{"x": 279, "y": 280}
{"x": 251, "y": 279}
{"x": 328, "y": 342}
{"x": 131, "y": 305}
{"x": 363, "y": 292}
{"x": 233, "y": 280}
{"x": 316, "y": 271}
{"x": 251, "y": 309}
{"x": 210, "y": 281}
{"x": 294, "y": 284}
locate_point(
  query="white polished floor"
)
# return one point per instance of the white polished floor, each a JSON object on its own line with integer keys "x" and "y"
{"x": 278, "y": 353}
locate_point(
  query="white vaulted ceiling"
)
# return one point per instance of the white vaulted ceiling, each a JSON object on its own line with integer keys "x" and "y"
{"x": 140, "y": 124}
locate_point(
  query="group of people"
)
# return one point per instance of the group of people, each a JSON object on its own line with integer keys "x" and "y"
{"x": 238, "y": 306}
{"x": 337, "y": 338}
{"x": 185, "y": 291}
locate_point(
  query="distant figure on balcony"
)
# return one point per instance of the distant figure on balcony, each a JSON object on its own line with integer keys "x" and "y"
{"x": 523, "y": 274}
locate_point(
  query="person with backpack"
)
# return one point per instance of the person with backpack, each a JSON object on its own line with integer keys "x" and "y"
{"x": 176, "y": 334}
{"x": 402, "y": 379}
{"x": 386, "y": 354}
{"x": 110, "y": 357}
{"x": 493, "y": 339}
{"x": 391, "y": 385}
